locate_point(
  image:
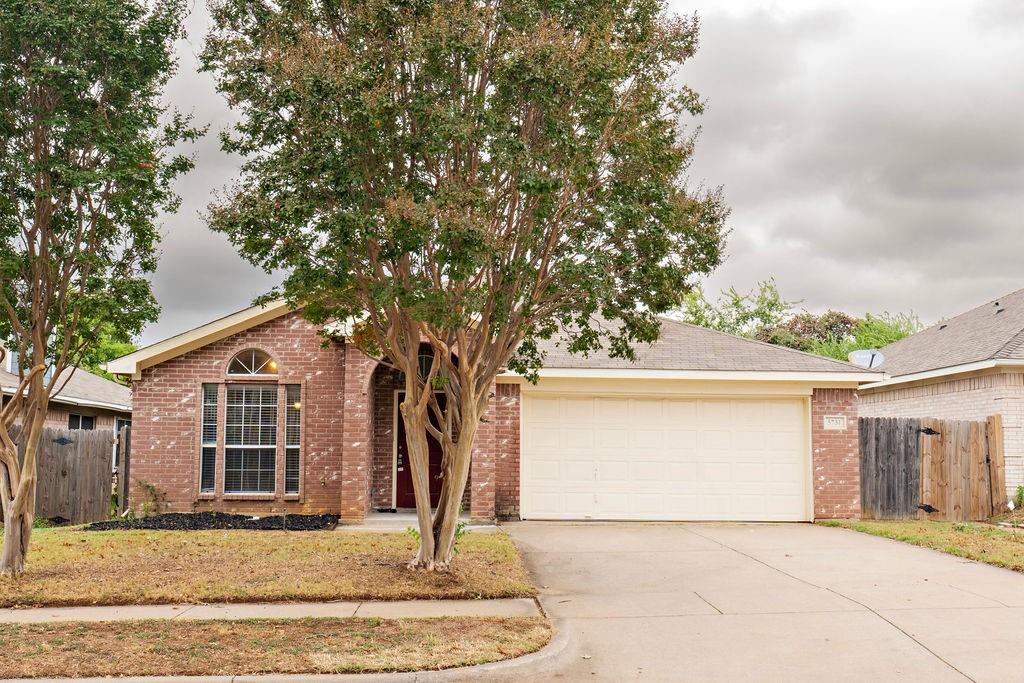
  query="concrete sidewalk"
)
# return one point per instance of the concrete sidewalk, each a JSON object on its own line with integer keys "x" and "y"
{"x": 399, "y": 609}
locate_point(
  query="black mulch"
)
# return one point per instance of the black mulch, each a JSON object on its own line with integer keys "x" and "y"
{"x": 199, "y": 521}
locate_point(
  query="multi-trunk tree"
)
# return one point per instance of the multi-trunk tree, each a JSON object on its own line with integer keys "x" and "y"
{"x": 463, "y": 179}
{"x": 86, "y": 163}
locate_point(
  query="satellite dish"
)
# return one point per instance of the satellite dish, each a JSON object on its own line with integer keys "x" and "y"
{"x": 867, "y": 358}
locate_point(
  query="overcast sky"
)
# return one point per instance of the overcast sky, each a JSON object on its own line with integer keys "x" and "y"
{"x": 872, "y": 154}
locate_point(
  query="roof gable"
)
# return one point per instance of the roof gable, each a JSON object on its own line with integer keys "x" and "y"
{"x": 134, "y": 363}
{"x": 992, "y": 331}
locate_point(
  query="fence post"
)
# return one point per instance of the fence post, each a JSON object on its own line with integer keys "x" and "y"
{"x": 123, "y": 470}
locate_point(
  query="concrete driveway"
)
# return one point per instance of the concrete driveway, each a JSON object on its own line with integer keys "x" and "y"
{"x": 772, "y": 602}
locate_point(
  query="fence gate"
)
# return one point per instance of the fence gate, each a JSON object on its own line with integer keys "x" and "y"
{"x": 73, "y": 474}
{"x": 931, "y": 469}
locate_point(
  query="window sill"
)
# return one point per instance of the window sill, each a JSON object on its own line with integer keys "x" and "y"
{"x": 249, "y": 496}
{"x": 292, "y": 496}
{"x": 207, "y": 496}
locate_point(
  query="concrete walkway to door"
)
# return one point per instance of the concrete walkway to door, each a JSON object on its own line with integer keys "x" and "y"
{"x": 772, "y": 602}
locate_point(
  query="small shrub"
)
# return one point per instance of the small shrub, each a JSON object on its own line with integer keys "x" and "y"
{"x": 154, "y": 501}
{"x": 1018, "y": 499}
{"x": 960, "y": 526}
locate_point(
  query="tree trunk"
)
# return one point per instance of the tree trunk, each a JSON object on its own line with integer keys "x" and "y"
{"x": 419, "y": 464}
{"x": 446, "y": 520}
{"x": 17, "y": 532}
{"x": 19, "y": 497}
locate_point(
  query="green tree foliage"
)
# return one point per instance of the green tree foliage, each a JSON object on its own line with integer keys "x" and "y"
{"x": 742, "y": 314}
{"x": 804, "y": 330}
{"x": 86, "y": 165}
{"x": 473, "y": 174}
{"x": 870, "y": 332}
{"x": 110, "y": 343}
{"x": 764, "y": 315}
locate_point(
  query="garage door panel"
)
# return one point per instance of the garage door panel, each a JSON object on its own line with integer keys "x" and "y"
{"x": 717, "y": 440}
{"x": 612, "y": 470}
{"x": 578, "y": 408}
{"x": 664, "y": 458}
{"x": 648, "y": 409}
{"x": 542, "y": 469}
{"x": 653, "y": 439}
{"x": 682, "y": 412}
{"x": 577, "y": 439}
{"x": 613, "y": 409}
{"x": 542, "y": 408}
{"x": 647, "y": 471}
{"x": 579, "y": 472}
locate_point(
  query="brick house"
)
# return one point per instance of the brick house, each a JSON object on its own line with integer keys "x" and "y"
{"x": 256, "y": 413}
{"x": 965, "y": 368}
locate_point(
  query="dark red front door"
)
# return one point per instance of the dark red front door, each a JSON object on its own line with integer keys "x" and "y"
{"x": 404, "y": 495}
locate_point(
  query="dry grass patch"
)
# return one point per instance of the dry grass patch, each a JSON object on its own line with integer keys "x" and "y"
{"x": 195, "y": 648}
{"x": 973, "y": 540}
{"x": 73, "y": 567}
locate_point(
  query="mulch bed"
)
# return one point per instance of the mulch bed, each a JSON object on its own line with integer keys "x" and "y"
{"x": 202, "y": 521}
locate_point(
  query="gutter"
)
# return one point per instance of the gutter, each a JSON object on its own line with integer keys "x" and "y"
{"x": 717, "y": 375}
{"x": 947, "y": 371}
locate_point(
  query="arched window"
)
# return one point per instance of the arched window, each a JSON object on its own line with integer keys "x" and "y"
{"x": 252, "y": 362}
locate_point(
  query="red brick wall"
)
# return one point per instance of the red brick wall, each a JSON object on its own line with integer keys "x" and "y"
{"x": 165, "y": 435}
{"x": 505, "y": 416}
{"x": 835, "y": 455}
{"x": 385, "y": 382}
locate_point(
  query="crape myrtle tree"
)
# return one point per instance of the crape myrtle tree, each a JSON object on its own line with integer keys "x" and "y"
{"x": 86, "y": 163}
{"x": 469, "y": 177}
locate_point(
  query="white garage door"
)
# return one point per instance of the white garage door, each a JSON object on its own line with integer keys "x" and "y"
{"x": 591, "y": 457}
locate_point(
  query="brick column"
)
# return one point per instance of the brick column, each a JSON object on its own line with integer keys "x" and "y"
{"x": 356, "y": 442}
{"x": 506, "y": 448}
{"x": 835, "y": 455}
{"x": 482, "y": 475}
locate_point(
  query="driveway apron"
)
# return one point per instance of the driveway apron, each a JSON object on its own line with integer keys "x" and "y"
{"x": 770, "y": 602}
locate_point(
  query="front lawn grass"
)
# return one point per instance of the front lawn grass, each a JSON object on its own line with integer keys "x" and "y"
{"x": 74, "y": 567}
{"x": 300, "y": 646}
{"x": 976, "y": 541}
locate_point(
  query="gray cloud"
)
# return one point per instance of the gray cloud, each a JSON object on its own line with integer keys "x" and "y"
{"x": 871, "y": 151}
{"x": 881, "y": 168}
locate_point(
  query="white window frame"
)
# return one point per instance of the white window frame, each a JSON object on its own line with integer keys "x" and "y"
{"x": 255, "y": 372}
{"x": 271, "y": 448}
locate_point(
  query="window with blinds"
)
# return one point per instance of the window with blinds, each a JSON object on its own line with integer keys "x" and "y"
{"x": 208, "y": 449}
{"x": 292, "y": 437}
{"x": 250, "y": 438}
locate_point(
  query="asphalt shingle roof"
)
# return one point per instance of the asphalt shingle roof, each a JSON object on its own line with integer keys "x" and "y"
{"x": 687, "y": 347}
{"x": 992, "y": 331}
{"x": 83, "y": 386}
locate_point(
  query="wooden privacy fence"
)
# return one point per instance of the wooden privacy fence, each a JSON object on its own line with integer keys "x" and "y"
{"x": 73, "y": 474}
{"x": 927, "y": 468}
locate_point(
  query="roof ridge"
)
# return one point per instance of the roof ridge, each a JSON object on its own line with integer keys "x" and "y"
{"x": 1012, "y": 346}
{"x": 768, "y": 344}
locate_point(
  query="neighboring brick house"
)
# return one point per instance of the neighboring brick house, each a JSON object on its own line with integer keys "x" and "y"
{"x": 257, "y": 413}
{"x": 85, "y": 401}
{"x": 965, "y": 368}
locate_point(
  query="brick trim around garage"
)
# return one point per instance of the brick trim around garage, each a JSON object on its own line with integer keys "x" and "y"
{"x": 835, "y": 454}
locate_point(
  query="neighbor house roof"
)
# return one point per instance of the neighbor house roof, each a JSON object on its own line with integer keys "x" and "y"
{"x": 683, "y": 347}
{"x": 83, "y": 389}
{"x": 987, "y": 336}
